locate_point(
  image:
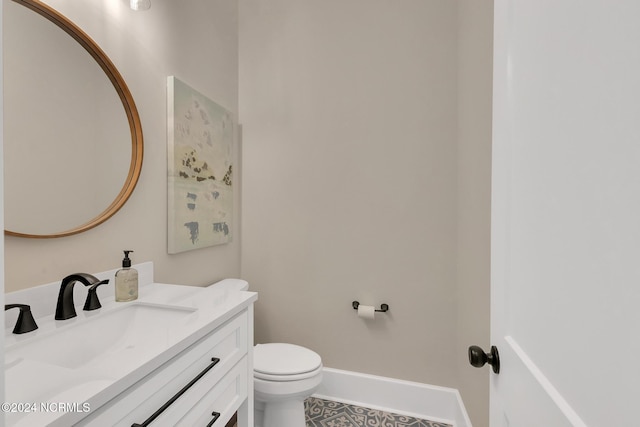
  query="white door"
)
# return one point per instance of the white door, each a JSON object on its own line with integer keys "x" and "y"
{"x": 566, "y": 213}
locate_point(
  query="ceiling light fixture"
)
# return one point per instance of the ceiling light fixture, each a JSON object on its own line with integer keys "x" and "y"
{"x": 140, "y": 4}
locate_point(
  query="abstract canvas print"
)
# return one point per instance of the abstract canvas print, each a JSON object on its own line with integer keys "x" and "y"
{"x": 200, "y": 193}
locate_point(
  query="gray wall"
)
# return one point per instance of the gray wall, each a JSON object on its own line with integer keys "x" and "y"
{"x": 475, "y": 59}
{"x": 366, "y": 147}
{"x": 349, "y": 179}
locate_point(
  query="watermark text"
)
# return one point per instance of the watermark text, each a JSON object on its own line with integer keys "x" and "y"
{"x": 55, "y": 407}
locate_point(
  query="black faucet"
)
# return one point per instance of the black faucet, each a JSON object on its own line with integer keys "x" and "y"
{"x": 65, "y": 309}
{"x": 26, "y": 322}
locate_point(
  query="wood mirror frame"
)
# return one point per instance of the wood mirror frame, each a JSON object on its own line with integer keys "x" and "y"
{"x": 129, "y": 106}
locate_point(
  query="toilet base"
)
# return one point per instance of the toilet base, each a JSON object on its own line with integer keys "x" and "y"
{"x": 289, "y": 413}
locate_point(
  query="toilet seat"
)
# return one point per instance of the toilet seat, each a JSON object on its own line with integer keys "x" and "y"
{"x": 285, "y": 378}
{"x": 285, "y": 362}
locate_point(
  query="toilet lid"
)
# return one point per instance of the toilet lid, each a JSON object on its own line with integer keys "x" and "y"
{"x": 284, "y": 359}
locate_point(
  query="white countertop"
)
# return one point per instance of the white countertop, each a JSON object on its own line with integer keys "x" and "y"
{"x": 89, "y": 386}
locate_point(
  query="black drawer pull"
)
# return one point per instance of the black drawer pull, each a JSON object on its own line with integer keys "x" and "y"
{"x": 214, "y": 362}
{"x": 216, "y": 415}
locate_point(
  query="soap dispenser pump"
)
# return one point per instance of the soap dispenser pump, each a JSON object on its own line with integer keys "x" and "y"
{"x": 126, "y": 280}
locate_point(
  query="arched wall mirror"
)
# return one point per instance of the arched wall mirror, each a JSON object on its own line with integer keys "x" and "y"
{"x": 73, "y": 154}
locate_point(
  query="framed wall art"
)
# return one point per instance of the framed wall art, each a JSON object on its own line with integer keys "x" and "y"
{"x": 200, "y": 185}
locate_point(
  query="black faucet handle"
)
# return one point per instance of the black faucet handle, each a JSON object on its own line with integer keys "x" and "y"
{"x": 92, "y": 302}
{"x": 26, "y": 322}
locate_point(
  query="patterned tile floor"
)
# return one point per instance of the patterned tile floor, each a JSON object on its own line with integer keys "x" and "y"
{"x": 327, "y": 413}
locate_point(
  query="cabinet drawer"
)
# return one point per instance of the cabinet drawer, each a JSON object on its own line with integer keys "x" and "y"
{"x": 224, "y": 399}
{"x": 137, "y": 404}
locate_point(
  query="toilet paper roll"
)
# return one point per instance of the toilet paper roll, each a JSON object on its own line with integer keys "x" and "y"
{"x": 366, "y": 311}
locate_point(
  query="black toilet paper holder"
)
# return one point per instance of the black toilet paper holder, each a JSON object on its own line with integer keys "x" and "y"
{"x": 383, "y": 307}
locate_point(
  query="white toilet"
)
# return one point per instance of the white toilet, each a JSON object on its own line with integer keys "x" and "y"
{"x": 284, "y": 376}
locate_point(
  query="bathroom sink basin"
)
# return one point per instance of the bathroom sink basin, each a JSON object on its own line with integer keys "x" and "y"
{"x": 106, "y": 341}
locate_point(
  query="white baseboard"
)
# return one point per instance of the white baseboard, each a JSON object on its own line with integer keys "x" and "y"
{"x": 440, "y": 404}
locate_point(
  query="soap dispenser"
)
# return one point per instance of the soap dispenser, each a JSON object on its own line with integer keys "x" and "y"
{"x": 126, "y": 280}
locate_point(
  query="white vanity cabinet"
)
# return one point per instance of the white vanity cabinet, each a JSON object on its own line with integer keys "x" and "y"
{"x": 204, "y": 385}
{"x": 176, "y": 356}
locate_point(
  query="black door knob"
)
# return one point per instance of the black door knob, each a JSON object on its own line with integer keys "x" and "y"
{"x": 478, "y": 358}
